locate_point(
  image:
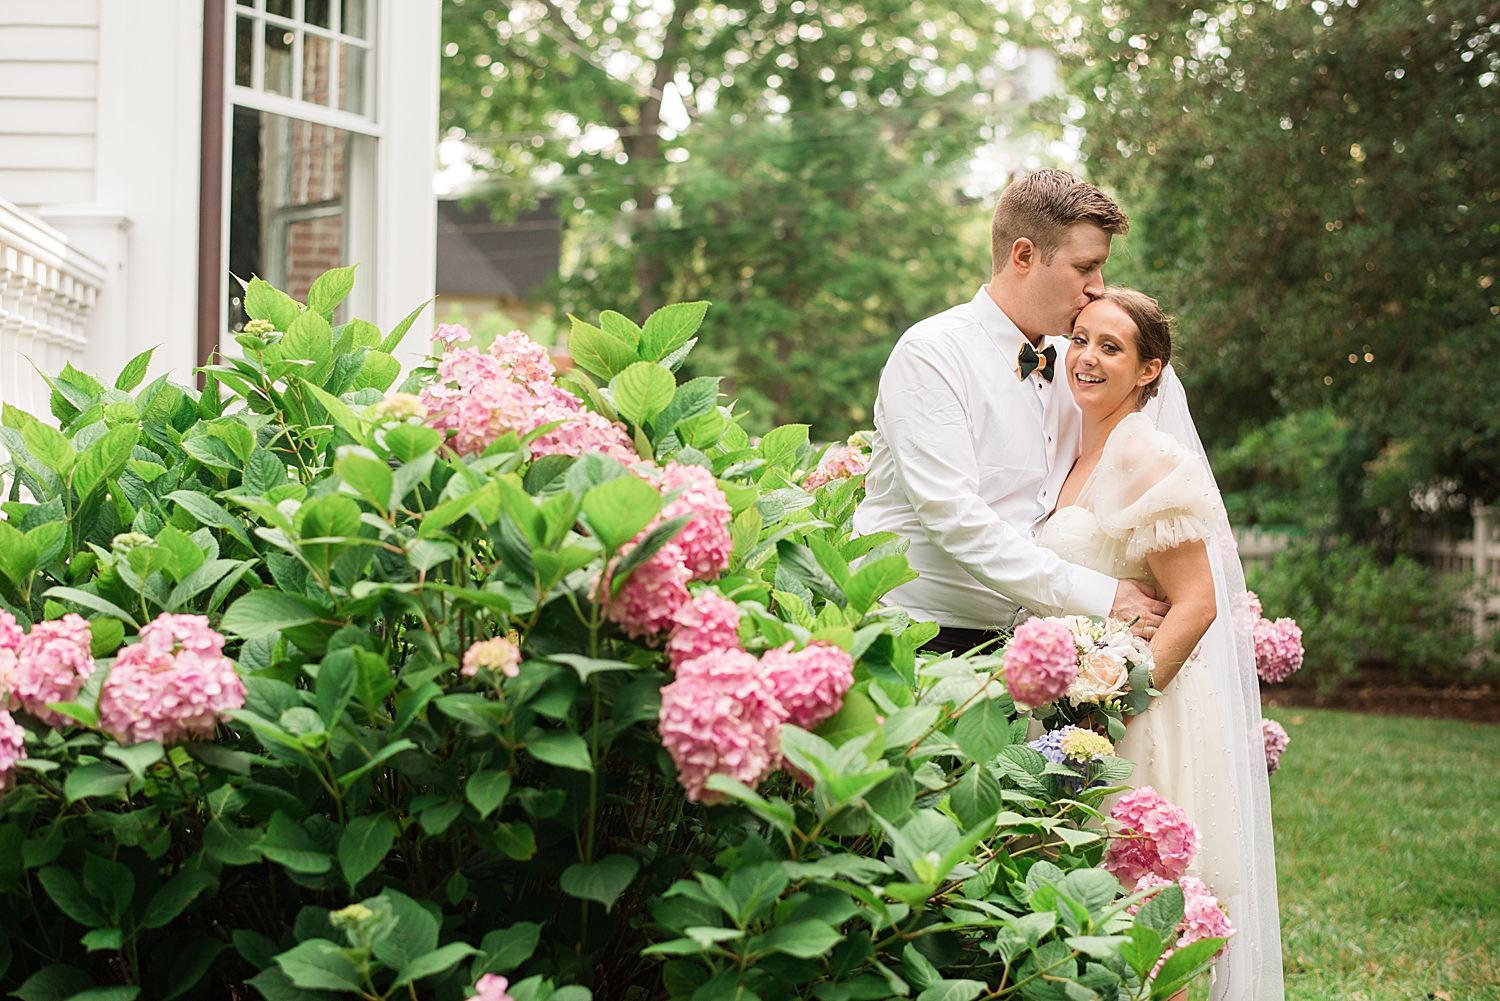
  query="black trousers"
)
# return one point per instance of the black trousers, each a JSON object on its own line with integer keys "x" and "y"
{"x": 957, "y": 640}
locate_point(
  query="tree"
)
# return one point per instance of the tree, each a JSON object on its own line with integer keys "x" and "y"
{"x": 809, "y": 187}
{"x": 1312, "y": 189}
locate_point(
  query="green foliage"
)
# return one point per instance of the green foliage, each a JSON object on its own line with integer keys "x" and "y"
{"x": 1354, "y": 608}
{"x": 1308, "y": 190}
{"x": 375, "y": 822}
{"x": 813, "y": 197}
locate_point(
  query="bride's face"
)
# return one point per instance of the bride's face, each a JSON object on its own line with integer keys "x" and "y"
{"x": 1105, "y": 370}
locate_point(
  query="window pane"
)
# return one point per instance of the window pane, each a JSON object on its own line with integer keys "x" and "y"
{"x": 315, "y": 54}
{"x": 352, "y": 79}
{"x": 316, "y": 12}
{"x": 353, "y": 22}
{"x": 244, "y": 51}
{"x": 282, "y": 7}
{"x": 278, "y": 78}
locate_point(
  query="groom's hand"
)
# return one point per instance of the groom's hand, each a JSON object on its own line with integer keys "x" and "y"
{"x": 1134, "y": 601}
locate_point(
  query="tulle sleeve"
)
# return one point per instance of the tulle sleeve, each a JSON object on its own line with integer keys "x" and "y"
{"x": 1152, "y": 493}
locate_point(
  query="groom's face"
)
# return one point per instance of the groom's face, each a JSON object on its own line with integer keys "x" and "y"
{"x": 1060, "y": 289}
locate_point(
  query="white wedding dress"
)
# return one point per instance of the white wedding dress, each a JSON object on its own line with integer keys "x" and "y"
{"x": 1150, "y": 493}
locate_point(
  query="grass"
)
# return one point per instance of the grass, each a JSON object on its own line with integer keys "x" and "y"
{"x": 1388, "y": 857}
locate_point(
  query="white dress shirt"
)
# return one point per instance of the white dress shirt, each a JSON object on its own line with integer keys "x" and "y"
{"x": 968, "y": 459}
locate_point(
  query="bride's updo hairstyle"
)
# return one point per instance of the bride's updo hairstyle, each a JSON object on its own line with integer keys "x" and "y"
{"x": 1153, "y": 331}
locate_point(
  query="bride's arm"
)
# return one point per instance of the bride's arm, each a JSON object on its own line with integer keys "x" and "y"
{"x": 1184, "y": 574}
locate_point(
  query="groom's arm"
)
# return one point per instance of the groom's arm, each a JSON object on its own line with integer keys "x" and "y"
{"x": 925, "y": 423}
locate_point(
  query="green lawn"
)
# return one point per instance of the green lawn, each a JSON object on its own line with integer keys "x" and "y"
{"x": 1388, "y": 857}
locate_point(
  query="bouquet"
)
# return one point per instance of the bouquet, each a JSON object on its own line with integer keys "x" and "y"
{"x": 1078, "y": 670}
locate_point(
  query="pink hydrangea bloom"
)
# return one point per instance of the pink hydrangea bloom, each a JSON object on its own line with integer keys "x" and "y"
{"x": 810, "y": 682}
{"x": 584, "y": 431}
{"x": 174, "y": 684}
{"x": 10, "y": 642}
{"x": 12, "y": 748}
{"x": 704, "y": 541}
{"x": 497, "y": 654}
{"x": 491, "y": 988}
{"x": 52, "y": 663}
{"x": 1041, "y": 662}
{"x": 1252, "y": 603}
{"x": 1202, "y": 914}
{"x": 1156, "y": 837}
{"x": 651, "y": 597}
{"x": 720, "y": 717}
{"x": 526, "y": 359}
{"x": 449, "y": 334}
{"x": 1276, "y": 741}
{"x": 1278, "y": 649}
{"x": 707, "y": 623}
{"x": 845, "y": 462}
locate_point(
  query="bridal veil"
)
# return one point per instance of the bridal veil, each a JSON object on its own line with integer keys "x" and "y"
{"x": 1251, "y": 969}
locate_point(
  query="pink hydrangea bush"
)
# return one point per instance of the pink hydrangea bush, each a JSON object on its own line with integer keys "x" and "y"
{"x": 10, "y": 643}
{"x": 12, "y": 748}
{"x": 498, "y": 654}
{"x": 721, "y": 717}
{"x": 845, "y": 462}
{"x": 1202, "y": 914}
{"x": 1156, "y": 837}
{"x": 1275, "y": 737}
{"x": 175, "y": 684}
{"x": 1278, "y": 649}
{"x": 707, "y": 623}
{"x": 492, "y": 987}
{"x": 52, "y": 663}
{"x": 810, "y": 682}
{"x": 704, "y": 541}
{"x": 652, "y": 595}
{"x": 1040, "y": 663}
{"x": 479, "y": 396}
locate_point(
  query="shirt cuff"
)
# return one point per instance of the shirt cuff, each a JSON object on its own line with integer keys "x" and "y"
{"x": 1093, "y": 593}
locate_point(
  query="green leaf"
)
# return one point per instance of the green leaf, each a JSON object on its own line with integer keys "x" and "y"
{"x": 230, "y": 845}
{"x": 983, "y": 731}
{"x": 287, "y": 843}
{"x": 800, "y": 562}
{"x": 105, "y": 459}
{"x": 102, "y": 939}
{"x": 339, "y": 411}
{"x": 596, "y": 351}
{"x": 398, "y": 332}
{"x": 93, "y": 601}
{"x": 69, "y": 896}
{"x": 1163, "y": 912}
{"x": 98, "y": 779}
{"x": 210, "y": 513}
{"x": 804, "y": 939}
{"x": 435, "y": 961}
{"x": 440, "y": 816}
{"x": 329, "y": 289}
{"x": 191, "y": 964}
{"x": 48, "y": 444}
{"x": 18, "y": 555}
{"x": 265, "y": 302}
{"x": 776, "y": 812}
{"x": 669, "y": 328}
{"x": 414, "y": 932}
{"x": 642, "y": 391}
{"x": 603, "y": 880}
{"x": 136, "y": 757}
{"x": 364, "y": 845}
{"x": 874, "y": 579}
{"x": 560, "y": 748}
{"x": 371, "y": 478}
{"x": 507, "y": 948}
{"x": 337, "y": 676}
{"x": 618, "y": 509}
{"x": 518, "y": 841}
{"x": 621, "y": 326}
{"x": 487, "y": 790}
{"x": 954, "y": 990}
{"x": 319, "y": 965}
{"x": 76, "y": 711}
{"x": 266, "y": 611}
{"x": 976, "y": 796}
{"x": 134, "y": 371}
{"x": 175, "y": 895}
{"x": 54, "y": 983}
{"x": 1182, "y": 966}
{"x": 781, "y": 444}
{"x": 216, "y": 756}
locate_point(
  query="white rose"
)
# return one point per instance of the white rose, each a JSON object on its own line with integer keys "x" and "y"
{"x": 1101, "y": 674}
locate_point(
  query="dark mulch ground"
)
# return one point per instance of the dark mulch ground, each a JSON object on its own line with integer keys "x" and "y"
{"x": 1381, "y": 691}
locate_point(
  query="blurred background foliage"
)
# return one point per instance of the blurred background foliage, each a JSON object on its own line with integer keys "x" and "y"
{"x": 1311, "y": 184}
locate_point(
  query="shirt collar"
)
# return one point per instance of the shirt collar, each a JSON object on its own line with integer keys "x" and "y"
{"x": 998, "y": 327}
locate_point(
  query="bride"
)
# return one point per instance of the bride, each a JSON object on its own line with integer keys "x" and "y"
{"x": 1141, "y": 504}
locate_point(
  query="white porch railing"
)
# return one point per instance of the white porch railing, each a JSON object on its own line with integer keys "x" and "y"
{"x": 1479, "y": 554}
{"x": 47, "y": 289}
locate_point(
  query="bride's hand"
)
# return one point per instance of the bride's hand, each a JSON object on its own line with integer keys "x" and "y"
{"x": 1137, "y": 603}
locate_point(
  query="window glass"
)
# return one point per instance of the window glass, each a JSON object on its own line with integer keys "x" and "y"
{"x": 244, "y": 52}
{"x": 278, "y": 68}
{"x": 316, "y": 52}
{"x": 317, "y": 12}
{"x": 352, "y": 79}
{"x": 353, "y": 20}
{"x": 281, "y": 7}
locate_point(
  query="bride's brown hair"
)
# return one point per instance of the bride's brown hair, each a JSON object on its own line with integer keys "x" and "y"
{"x": 1153, "y": 331}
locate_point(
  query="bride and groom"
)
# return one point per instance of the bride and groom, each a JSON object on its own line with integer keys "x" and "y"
{"x": 1035, "y": 448}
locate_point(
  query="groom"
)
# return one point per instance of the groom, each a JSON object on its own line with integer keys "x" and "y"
{"x": 976, "y": 429}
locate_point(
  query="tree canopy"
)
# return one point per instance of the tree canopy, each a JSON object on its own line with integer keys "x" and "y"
{"x": 1313, "y": 189}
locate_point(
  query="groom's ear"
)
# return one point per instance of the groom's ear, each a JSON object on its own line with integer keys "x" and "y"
{"x": 1023, "y": 255}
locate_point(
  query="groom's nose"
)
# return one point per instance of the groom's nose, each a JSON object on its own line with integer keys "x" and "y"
{"x": 1094, "y": 287}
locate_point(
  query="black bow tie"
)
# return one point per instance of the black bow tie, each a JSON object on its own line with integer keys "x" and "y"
{"x": 1043, "y": 366}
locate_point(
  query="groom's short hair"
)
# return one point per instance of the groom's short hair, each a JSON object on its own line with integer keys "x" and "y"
{"x": 1041, "y": 206}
